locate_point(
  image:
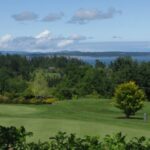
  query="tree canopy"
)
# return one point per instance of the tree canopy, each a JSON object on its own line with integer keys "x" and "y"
{"x": 65, "y": 78}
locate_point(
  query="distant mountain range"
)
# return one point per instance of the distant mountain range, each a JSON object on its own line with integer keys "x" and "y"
{"x": 78, "y": 53}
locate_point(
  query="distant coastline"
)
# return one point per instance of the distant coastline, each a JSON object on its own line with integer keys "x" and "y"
{"x": 78, "y": 53}
{"x": 88, "y": 57}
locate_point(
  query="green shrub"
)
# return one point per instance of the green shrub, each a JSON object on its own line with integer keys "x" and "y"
{"x": 38, "y": 146}
{"x": 13, "y": 138}
{"x": 22, "y": 100}
{"x": 34, "y": 101}
{"x": 62, "y": 141}
{"x": 49, "y": 100}
{"x": 4, "y": 99}
{"x": 129, "y": 98}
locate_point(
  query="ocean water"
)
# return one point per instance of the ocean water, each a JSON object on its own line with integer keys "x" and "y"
{"x": 108, "y": 60}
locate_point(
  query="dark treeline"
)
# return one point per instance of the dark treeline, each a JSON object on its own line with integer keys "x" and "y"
{"x": 25, "y": 78}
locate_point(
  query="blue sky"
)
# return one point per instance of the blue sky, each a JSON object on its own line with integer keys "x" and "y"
{"x": 54, "y": 25}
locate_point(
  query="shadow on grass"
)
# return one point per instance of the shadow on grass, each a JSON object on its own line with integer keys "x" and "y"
{"x": 136, "y": 118}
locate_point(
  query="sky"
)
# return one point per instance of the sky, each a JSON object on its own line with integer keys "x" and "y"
{"x": 84, "y": 25}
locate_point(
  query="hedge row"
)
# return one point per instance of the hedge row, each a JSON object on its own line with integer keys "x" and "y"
{"x": 12, "y": 138}
{"x": 20, "y": 100}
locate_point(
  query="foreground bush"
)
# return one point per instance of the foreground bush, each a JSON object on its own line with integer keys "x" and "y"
{"x": 12, "y": 138}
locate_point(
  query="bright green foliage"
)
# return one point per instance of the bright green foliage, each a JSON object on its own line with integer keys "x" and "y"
{"x": 39, "y": 84}
{"x": 116, "y": 142}
{"x": 129, "y": 98}
{"x": 53, "y": 78}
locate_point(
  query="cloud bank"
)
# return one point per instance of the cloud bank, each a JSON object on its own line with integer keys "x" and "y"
{"x": 47, "y": 42}
{"x": 44, "y": 41}
{"x": 31, "y": 16}
{"x": 83, "y": 16}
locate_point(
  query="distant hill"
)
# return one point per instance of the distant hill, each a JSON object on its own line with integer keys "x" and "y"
{"x": 78, "y": 53}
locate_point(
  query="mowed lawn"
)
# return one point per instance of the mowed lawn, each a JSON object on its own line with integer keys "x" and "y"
{"x": 83, "y": 117}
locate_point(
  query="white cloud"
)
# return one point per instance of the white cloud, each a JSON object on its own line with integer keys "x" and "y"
{"x": 65, "y": 43}
{"x": 25, "y": 16}
{"x": 43, "y": 41}
{"x": 72, "y": 43}
{"x": 43, "y": 37}
{"x": 45, "y": 34}
{"x": 71, "y": 39}
{"x": 4, "y": 40}
{"x": 83, "y": 16}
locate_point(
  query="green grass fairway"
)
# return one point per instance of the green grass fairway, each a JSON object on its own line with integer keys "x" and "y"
{"x": 83, "y": 117}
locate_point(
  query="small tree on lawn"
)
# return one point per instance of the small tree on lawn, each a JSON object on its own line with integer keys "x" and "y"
{"x": 39, "y": 85}
{"x": 129, "y": 98}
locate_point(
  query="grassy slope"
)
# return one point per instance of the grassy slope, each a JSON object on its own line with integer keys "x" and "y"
{"x": 92, "y": 117}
